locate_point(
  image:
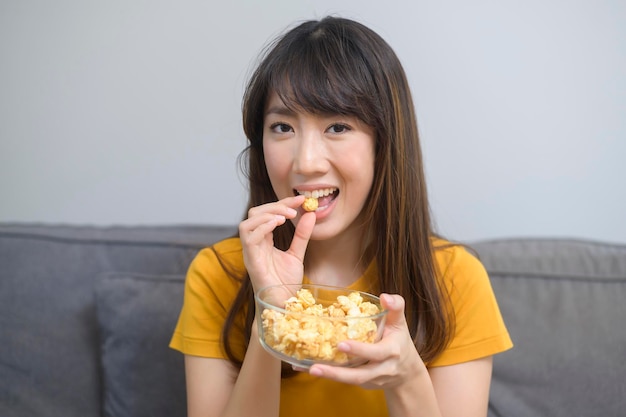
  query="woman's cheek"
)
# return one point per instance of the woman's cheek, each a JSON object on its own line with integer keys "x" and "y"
{"x": 277, "y": 165}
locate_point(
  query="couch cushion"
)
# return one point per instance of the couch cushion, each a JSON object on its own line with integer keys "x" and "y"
{"x": 563, "y": 303}
{"x": 49, "y": 355}
{"x": 137, "y": 314}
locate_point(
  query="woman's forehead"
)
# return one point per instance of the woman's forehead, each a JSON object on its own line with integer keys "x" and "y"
{"x": 275, "y": 105}
{"x": 288, "y": 100}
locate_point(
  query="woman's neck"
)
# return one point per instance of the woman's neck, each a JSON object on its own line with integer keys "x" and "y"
{"x": 339, "y": 261}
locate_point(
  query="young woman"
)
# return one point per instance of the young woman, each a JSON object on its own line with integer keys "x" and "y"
{"x": 328, "y": 111}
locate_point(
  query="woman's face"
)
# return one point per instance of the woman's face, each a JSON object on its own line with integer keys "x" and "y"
{"x": 327, "y": 155}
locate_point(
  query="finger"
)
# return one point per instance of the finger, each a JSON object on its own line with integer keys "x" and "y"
{"x": 255, "y": 230}
{"x": 353, "y": 376}
{"x": 262, "y": 220}
{"x": 291, "y": 204}
{"x": 380, "y": 351}
{"x": 285, "y": 207}
{"x": 366, "y": 351}
{"x": 394, "y": 304}
{"x": 302, "y": 235}
{"x": 294, "y": 201}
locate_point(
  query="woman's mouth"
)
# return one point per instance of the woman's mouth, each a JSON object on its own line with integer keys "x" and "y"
{"x": 324, "y": 196}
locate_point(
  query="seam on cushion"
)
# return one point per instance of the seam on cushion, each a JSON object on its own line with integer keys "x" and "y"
{"x": 565, "y": 240}
{"x": 139, "y": 276}
{"x": 617, "y": 279}
{"x": 104, "y": 242}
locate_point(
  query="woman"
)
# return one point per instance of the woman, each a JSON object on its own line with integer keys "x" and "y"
{"x": 328, "y": 112}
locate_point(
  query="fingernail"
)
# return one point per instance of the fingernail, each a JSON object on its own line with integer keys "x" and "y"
{"x": 389, "y": 299}
{"x": 291, "y": 211}
{"x": 344, "y": 347}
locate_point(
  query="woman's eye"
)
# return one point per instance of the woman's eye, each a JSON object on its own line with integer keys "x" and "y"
{"x": 338, "y": 128}
{"x": 280, "y": 128}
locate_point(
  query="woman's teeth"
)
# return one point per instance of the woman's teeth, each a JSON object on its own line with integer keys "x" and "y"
{"x": 318, "y": 193}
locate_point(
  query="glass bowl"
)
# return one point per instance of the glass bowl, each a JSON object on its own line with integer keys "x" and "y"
{"x": 302, "y": 323}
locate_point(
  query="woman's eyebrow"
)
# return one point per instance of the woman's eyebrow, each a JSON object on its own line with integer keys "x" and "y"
{"x": 280, "y": 111}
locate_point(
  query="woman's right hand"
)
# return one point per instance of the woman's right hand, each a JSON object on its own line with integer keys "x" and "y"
{"x": 266, "y": 264}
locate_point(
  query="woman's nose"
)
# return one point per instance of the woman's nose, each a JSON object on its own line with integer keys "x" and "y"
{"x": 310, "y": 156}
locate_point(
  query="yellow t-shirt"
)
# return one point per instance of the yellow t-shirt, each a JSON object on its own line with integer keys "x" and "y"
{"x": 209, "y": 291}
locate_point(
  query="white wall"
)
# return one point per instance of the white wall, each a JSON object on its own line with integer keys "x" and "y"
{"x": 128, "y": 112}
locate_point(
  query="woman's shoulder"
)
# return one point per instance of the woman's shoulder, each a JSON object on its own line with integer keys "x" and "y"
{"x": 453, "y": 258}
{"x": 227, "y": 254}
{"x": 228, "y": 247}
{"x": 479, "y": 329}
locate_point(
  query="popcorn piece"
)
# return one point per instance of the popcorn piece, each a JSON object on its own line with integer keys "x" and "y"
{"x": 310, "y": 204}
{"x": 305, "y": 297}
{"x": 334, "y": 311}
{"x": 294, "y": 304}
{"x": 355, "y": 297}
{"x": 305, "y": 333}
{"x": 369, "y": 309}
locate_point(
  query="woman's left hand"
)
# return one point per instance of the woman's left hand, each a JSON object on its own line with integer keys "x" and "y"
{"x": 391, "y": 361}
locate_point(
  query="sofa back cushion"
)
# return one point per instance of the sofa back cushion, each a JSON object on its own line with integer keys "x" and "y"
{"x": 137, "y": 315}
{"x": 563, "y": 303}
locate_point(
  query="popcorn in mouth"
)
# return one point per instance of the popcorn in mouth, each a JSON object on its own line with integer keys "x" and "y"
{"x": 310, "y": 204}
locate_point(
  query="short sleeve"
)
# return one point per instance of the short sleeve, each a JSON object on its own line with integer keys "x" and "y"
{"x": 479, "y": 329}
{"x": 210, "y": 288}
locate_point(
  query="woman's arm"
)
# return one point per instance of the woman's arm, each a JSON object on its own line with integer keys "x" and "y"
{"x": 460, "y": 390}
{"x": 214, "y": 388}
{"x": 209, "y": 385}
{"x": 463, "y": 389}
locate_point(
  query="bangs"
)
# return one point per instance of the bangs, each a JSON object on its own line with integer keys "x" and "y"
{"x": 325, "y": 74}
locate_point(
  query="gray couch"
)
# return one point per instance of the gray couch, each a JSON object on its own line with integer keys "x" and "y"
{"x": 86, "y": 314}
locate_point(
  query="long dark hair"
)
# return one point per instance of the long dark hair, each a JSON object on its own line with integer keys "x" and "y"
{"x": 340, "y": 66}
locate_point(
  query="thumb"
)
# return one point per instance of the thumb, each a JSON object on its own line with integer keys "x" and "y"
{"x": 301, "y": 237}
{"x": 394, "y": 304}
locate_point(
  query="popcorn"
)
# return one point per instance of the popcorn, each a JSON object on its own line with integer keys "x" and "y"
{"x": 311, "y": 331}
{"x": 310, "y": 204}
